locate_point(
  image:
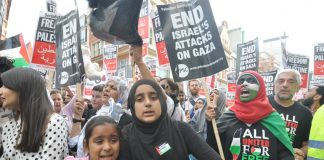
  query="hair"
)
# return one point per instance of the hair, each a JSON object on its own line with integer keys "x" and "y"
{"x": 173, "y": 86}
{"x": 98, "y": 87}
{"x": 181, "y": 91}
{"x": 97, "y": 121}
{"x": 33, "y": 100}
{"x": 55, "y": 91}
{"x": 320, "y": 91}
{"x": 296, "y": 73}
{"x": 192, "y": 81}
{"x": 5, "y": 65}
{"x": 122, "y": 89}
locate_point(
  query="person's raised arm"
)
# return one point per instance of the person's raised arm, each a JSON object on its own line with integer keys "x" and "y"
{"x": 137, "y": 58}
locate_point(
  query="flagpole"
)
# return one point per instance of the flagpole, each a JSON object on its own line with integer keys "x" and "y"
{"x": 218, "y": 141}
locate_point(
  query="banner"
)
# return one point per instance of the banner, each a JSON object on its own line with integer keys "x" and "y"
{"x": 315, "y": 80}
{"x": 44, "y": 55}
{"x": 192, "y": 40}
{"x": 231, "y": 89}
{"x": 247, "y": 56}
{"x": 159, "y": 41}
{"x": 143, "y": 26}
{"x": 15, "y": 48}
{"x": 110, "y": 57}
{"x": 301, "y": 64}
{"x": 210, "y": 81}
{"x": 69, "y": 61}
{"x": 319, "y": 60}
{"x": 143, "y": 21}
{"x": 268, "y": 78}
{"x": 87, "y": 92}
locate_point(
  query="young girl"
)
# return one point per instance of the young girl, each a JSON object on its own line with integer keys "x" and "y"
{"x": 101, "y": 139}
{"x": 153, "y": 134}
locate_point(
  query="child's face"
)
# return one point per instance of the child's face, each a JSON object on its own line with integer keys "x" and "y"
{"x": 103, "y": 143}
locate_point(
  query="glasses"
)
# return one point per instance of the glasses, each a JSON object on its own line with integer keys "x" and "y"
{"x": 164, "y": 86}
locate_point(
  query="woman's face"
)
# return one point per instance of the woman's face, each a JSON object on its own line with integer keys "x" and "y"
{"x": 96, "y": 99}
{"x": 199, "y": 104}
{"x": 147, "y": 104}
{"x": 110, "y": 90}
{"x": 103, "y": 143}
{"x": 212, "y": 94}
{"x": 9, "y": 98}
{"x": 58, "y": 102}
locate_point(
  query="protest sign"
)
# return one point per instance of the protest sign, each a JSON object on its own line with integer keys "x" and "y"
{"x": 192, "y": 40}
{"x": 301, "y": 64}
{"x": 51, "y": 6}
{"x": 268, "y": 78}
{"x": 69, "y": 61}
{"x": 159, "y": 41}
{"x": 231, "y": 89}
{"x": 110, "y": 57}
{"x": 319, "y": 60}
{"x": 315, "y": 80}
{"x": 44, "y": 49}
{"x": 247, "y": 56}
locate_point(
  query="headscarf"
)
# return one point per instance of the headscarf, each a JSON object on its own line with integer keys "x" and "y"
{"x": 145, "y": 137}
{"x": 201, "y": 118}
{"x": 256, "y": 109}
{"x": 221, "y": 102}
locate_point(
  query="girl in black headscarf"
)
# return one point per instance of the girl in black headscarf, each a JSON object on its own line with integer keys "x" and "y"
{"x": 153, "y": 135}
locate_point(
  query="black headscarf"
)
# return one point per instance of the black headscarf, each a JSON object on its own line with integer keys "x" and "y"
{"x": 145, "y": 137}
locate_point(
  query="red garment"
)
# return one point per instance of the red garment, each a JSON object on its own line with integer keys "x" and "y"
{"x": 256, "y": 109}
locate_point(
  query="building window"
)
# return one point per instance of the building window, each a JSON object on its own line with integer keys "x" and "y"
{"x": 124, "y": 66}
{"x": 83, "y": 35}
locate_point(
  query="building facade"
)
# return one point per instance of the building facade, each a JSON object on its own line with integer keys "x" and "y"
{"x": 4, "y": 15}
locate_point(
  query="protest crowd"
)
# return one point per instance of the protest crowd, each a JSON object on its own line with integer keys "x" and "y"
{"x": 154, "y": 117}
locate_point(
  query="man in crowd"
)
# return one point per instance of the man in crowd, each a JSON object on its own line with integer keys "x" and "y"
{"x": 194, "y": 87}
{"x": 297, "y": 117}
{"x": 58, "y": 100}
{"x": 316, "y": 137}
{"x": 182, "y": 99}
{"x": 96, "y": 100}
{"x": 171, "y": 89}
{"x": 314, "y": 98}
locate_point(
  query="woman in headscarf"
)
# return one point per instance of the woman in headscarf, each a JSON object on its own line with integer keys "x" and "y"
{"x": 251, "y": 128}
{"x": 220, "y": 99}
{"x": 153, "y": 135}
{"x": 114, "y": 100}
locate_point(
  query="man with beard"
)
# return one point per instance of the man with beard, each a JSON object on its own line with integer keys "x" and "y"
{"x": 194, "y": 87}
{"x": 251, "y": 128}
{"x": 5, "y": 114}
{"x": 297, "y": 117}
{"x": 314, "y": 98}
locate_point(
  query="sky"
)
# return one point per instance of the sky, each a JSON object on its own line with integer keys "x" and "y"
{"x": 301, "y": 20}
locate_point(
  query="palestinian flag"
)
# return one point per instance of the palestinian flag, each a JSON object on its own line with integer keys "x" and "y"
{"x": 256, "y": 150}
{"x": 15, "y": 48}
{"x": 235, "y": 147}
